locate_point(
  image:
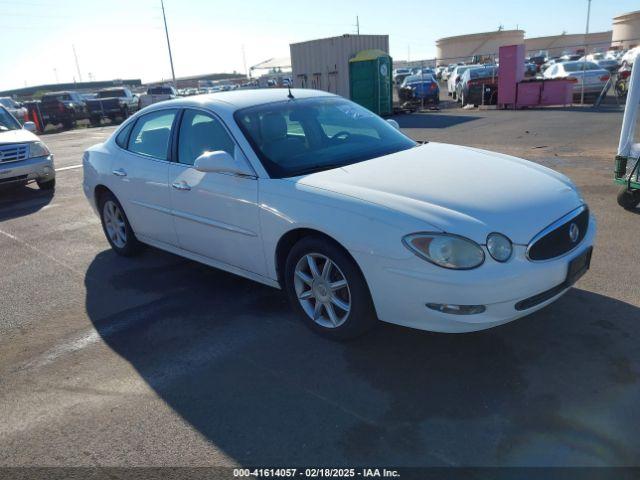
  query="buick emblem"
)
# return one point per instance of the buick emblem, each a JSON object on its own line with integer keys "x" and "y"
{"x": 574, "y": 232}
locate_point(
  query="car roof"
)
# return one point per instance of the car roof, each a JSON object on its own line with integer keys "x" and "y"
{"x": 233, "y": 100}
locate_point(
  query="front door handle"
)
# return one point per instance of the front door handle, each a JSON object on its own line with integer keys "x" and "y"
{"x": 119, "y": 172}
{"x": 184, "y": 186}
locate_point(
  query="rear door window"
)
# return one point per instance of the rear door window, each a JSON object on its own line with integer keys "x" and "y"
{"x": 152, "y": 133}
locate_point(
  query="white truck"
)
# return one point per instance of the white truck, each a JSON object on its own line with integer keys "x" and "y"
{"x": 158, "y": 94}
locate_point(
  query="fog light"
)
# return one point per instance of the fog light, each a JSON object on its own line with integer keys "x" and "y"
{"x": 457, "y": 309}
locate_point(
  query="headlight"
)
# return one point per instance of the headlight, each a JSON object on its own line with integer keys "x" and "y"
{"x": 499, "y": 246}
{"x": 38, "y": 149}
{"x": 445, "y": 250}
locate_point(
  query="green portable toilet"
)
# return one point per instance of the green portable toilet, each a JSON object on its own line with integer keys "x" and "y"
{"x": 370, "y": 81}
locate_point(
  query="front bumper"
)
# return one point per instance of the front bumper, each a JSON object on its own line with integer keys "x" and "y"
{"x": 39, "y": 169}
{"x": 401, "y": 288}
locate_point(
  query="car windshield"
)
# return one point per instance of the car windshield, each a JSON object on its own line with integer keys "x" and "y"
{"x": 578, "y": 66}
{"x": 111, "y": 94}
{"x": 314, "y": 134}
{"x": 7, "y": 122}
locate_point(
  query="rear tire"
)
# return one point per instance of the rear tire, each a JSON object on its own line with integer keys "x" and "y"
{"x": 628, "y": 199}
{"x": 95, "y": 121}
{"x": 334, "y": 302}
{"x": 116, "y": 226}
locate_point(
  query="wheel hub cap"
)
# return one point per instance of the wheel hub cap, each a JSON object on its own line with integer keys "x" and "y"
{"x": 322, "y": 290}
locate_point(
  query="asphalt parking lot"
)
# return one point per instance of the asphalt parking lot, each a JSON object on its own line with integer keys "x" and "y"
{"x": 158, "y": 360}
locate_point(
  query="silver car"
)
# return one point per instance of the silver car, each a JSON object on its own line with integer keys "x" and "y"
{"x": 23, "y": 157}
{"x": 595, "y": 77}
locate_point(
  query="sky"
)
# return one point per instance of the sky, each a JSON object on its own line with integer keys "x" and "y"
{"x": 125, "y": 38}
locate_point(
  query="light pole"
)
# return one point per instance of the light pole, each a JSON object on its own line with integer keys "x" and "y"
{"x": 166, "y": 31}
{"x": 586, "y": 46}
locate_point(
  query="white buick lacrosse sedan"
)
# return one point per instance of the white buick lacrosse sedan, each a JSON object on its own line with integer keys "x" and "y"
{"x": 314, "y": 194}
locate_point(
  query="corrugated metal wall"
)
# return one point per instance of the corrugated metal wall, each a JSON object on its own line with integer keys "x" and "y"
{"x": 324, "y": 64}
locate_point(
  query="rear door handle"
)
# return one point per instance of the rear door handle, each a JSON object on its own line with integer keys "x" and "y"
{"x": 119, "y": 172}
{"x": 184, "y": 186}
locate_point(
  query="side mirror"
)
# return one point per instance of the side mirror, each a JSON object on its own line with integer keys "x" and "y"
{"x": 393, "y": 123}
{"x": 29, "y": 126}
{"x": 220, "y": 162}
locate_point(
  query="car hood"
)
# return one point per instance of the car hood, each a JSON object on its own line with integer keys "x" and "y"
{"x": 17, "y": 136}
{"x": 457, "y": 189}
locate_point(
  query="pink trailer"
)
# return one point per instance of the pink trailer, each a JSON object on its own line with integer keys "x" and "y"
{"x": 515, "y": 92}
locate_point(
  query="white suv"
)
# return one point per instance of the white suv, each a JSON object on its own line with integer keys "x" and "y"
{"x": 23, "y": 157}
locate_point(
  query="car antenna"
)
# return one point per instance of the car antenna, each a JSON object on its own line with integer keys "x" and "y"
{"x": 290, "y": 94}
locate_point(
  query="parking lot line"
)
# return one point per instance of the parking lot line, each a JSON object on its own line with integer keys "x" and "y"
{"x": 37, "y": 250}
{"x": 62, "y": 169}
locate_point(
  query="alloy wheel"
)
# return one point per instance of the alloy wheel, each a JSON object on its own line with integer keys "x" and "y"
{"x": 322, "y": 290}
{"x": 114, "y": 223}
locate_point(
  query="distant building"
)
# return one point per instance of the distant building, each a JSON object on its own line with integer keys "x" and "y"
{"x": 556, "y": 45}
{"x": 462, "y": 48}
{"x": 626, "y": 30}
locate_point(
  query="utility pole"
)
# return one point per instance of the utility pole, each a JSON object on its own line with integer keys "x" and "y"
{"x": 357, "y": 25}
{"x": 584, "y": 62}
{"x": 244, "y": 62}
{"x": 166, "y": 31}
{"x": 77, "y": 64}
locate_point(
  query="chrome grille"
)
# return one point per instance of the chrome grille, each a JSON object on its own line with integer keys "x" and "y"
{"x": 556, "y": 239}
{"x": 14, "y": 153}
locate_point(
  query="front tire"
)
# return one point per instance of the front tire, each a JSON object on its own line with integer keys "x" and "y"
{"x": 49, "y": 186}
{"x": 327, "y": 290}
{"x": 116, "y": 226}
{"x": 628, "y": 199}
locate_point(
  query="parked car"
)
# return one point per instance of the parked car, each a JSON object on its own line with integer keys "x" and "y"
{"x": 595, "y": 77}
{"x": 63, "y": 107}
{"x": 157, "y": 94}
{"x": 420, "y": 89}
{"x": 23, "y": 157}
{"x": 439, "y": 70}
{"x": 478, "y": 86}
{"x": 14, "y": 108}
{"x": 538, "y": 60}
{"x": 454, "y": 78}
{"x": 333, "y": 204}
{"x": 402, "y": 72}
{"x": 447, "y": 71}
{"x": 399, "y": 78}
{"x": 112, "y": 103}
{"x": 603, "y": 62}
{"x": 548, "y": 63}
{"x": 570, "y": 57}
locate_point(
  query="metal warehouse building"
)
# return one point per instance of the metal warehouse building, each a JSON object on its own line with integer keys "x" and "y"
{"x": 626, "y": 30}
{"x": 323, "y": 64}
{"x": 462, "y": 47}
